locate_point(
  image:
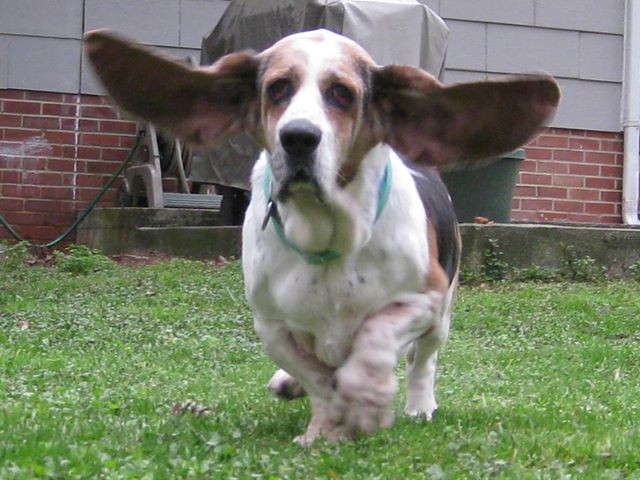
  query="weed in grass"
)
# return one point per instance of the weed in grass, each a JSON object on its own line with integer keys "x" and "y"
{"x": 575, "y": 267}
{"x": 581, "y": 268}
{"x": 494, "y": 267}
{"x": 14, "y": 256}
{"x": 634, "y": 271}
{"x": 469, "y": 277}
{"x": 81, "y": 260}
{"x": 535, "y": 273}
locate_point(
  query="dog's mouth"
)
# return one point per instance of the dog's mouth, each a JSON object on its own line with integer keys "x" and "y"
{"x": 289, "y": 182}
{"x": 300, "y": 182}
{"x": 293, "y": 176}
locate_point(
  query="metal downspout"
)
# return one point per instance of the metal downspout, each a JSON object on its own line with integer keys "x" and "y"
{"x": 631, "y": 113}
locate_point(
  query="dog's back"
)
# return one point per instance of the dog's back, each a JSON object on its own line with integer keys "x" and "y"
{"x": 442, "y": 216}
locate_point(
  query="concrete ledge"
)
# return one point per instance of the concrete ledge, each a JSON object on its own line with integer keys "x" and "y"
{"x": 527, "y": 245}
{"x": 198, "y": 234}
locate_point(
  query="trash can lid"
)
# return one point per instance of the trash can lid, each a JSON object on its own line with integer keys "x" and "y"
{"x": 518, "y": 154}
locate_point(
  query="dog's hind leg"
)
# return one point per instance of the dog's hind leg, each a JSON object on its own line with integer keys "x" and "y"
{"x": 421, "y": 376}
{"x": 421, "y": 365}
{"x": 285, "y": 387}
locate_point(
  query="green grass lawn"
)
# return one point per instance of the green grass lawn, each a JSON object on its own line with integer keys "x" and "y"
{"x": 537, "y": 381}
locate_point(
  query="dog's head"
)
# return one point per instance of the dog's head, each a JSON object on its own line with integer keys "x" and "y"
{"x": 318, "y": 103}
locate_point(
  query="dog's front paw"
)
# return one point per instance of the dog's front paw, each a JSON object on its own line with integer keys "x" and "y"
{"x": 363, "y": 401}
{"x": 321, "y": 425}
{"x": 333, "y": 434}
{"x": 284, "y": 386}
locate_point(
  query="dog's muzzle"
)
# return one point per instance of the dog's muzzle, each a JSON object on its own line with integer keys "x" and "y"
{"x": 299, "y": 140}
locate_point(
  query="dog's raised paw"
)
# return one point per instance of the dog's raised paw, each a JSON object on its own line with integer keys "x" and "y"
{"x": 363, "y": 403}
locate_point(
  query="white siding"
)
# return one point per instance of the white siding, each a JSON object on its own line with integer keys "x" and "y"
{"x": 43, "y": 18}
{"x": 578, "y": 41}
{"x": 513, "y": 12}
{"x": 602, "y": 16}
{"x": 151, "y": 21}
{"x": 42, "y": 63}
{"x": 40, "y": 40}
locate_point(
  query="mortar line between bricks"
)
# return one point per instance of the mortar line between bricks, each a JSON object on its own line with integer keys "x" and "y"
{"x": 76, "y": 135}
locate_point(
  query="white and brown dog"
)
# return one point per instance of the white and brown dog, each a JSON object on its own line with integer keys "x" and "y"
{"x": 350, "y": 258}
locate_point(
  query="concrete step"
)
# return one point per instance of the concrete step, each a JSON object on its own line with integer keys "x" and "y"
{"x": 190, "y": 233}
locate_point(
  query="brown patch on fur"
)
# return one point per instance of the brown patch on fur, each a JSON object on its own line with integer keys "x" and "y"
{"x": 397, "y": 78}
{"x": 368, "y": 132}
{"x": 278, "y": 64}
{"x": 347, "y": 122}
{"x": 436, "y": 278}
{"x": 366, "y": 138}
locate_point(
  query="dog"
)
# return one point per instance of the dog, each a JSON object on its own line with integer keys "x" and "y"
{"x": 350, "y": 245}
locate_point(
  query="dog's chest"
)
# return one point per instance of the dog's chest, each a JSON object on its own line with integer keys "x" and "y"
{"x": 326, "y": 306}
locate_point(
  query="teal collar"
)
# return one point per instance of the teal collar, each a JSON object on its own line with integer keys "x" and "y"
{"x": 322, "y": 256}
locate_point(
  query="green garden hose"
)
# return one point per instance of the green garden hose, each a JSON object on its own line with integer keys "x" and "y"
{"x": 87, "y": 210}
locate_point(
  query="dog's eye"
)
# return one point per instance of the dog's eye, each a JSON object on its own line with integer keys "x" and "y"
{"x": 280, "y": 91}
{"x": 340, "y": 96}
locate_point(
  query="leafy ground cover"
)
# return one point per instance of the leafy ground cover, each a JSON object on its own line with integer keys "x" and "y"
{"x": 154, "y": 372}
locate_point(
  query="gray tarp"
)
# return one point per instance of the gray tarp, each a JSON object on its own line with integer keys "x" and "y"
{"x": 392, "y": 31}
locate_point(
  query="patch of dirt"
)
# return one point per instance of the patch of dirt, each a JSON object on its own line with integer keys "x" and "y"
{"x": 140, "y": 258}
{"x": 219, "y": 261}
{"x": 41, "y": 257}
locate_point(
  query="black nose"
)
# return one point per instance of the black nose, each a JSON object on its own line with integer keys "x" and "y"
{"x": 300, "y": 137}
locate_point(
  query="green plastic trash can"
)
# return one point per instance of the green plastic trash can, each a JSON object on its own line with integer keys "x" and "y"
{"x": 486, "y": 191}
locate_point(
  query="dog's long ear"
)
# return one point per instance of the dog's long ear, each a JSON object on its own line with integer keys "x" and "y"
{"x": 201, "y": 105}
{"x": 451, "y": 127}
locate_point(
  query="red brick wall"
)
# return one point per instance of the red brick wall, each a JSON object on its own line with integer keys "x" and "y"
{"x": 49, "y": 169}
{"x": 56, "y": 152}
{"x": 571, "y": 176}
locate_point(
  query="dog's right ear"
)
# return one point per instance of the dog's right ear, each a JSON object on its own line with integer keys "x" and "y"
{"x": 201, "y": 105}
{"x": 457, "y": 126}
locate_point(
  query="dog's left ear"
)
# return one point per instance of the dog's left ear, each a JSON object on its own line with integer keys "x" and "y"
{"x": 202, "y": 105}
{"x": 451, "y": 127}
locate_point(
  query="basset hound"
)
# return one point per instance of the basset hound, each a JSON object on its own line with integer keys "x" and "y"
{"x": 350, "y": 247}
